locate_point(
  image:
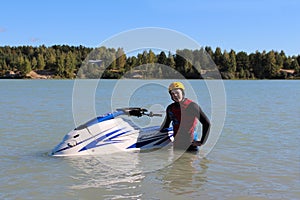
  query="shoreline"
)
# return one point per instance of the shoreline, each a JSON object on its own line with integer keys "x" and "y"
{"x": 50, "y": 75}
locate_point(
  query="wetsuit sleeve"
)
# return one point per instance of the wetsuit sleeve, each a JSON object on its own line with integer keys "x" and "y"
{"x": 167, "y": 121}
{"x": 197, "y": 111}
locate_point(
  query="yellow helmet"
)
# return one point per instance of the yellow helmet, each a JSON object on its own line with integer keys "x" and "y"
{"x": 176, "y": 85}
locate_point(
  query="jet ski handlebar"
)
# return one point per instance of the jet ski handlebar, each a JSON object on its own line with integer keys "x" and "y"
{"x": 138, "y": 112}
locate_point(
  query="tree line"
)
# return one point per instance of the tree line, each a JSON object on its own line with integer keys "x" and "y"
{"x": 63, "y": 61}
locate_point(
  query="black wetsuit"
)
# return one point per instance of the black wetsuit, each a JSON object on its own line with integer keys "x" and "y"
{"x": 184, "y": 116}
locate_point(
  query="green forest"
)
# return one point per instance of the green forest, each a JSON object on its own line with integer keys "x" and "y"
{"x": 68, "y": 62}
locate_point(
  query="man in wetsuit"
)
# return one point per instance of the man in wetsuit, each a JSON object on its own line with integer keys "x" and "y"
{"x": 184, "y": 114}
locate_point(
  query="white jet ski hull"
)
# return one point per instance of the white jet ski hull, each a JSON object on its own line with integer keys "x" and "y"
{"x": 110, "y": 134}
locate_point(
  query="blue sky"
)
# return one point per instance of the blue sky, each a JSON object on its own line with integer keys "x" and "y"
{"x": 241, "y": 25}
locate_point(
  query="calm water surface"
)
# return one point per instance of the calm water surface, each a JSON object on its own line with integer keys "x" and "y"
{"x": 256, "y": 157}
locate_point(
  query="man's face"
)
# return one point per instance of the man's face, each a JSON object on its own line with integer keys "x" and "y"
{"x": 177, "y": 95}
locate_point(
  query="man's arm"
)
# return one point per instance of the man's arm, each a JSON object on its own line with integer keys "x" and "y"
{"x": 166, "y": 122}
{"x": 203, "y": 120}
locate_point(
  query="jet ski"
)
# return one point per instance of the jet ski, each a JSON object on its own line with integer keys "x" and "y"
{"x": 112, "y": 133}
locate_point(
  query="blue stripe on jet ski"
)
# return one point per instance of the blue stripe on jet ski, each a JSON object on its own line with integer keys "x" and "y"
{"x": 96, "y": 140}
{"x": 100, "y": 138}
{"x": 104, "y": 118}
{"x": 117, "y": 135}
{"x": 61, "y": 150}
{"x": 93, "y": 144}
{"x": 141, "y": 144}
{"x": 99, "y": 119}
{"x": 163, "y": 140}
{"x": 146, "y": 142}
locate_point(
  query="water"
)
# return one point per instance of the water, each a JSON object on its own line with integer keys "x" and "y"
{"x": 256, "y": 157}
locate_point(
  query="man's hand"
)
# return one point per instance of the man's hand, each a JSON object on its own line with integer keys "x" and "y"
{"x": 196, "y": 143}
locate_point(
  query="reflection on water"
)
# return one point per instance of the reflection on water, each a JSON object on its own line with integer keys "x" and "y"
{"x": 185, "y": 175}
{"x": 104, "y": 171}
{"x": 130, "y": 175}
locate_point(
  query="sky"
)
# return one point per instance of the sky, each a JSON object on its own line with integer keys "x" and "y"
{"x": 241, "y": 25}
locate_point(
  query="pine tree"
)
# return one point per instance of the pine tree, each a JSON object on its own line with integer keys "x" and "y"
{"x": 242, "y": 63}
{"x": 271, "y": 70}
{"x": 257, "y": 64}
{"x": 232, "y": 66}
{"x": 151, "y": 57}
{"x": 121, "y": 58}
{"x": 33, "y": 63}
{"x": 60, "y": 70}
{"x": 295, "y": 65}
{"x": 70, "y": 65}
{"x": 218, "y": 57}
{"x": 162, "y": 58}
{"x": 40, "y": 62}
{"x": 170, "y": 61}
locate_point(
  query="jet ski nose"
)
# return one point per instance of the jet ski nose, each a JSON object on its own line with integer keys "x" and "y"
{"x": 53, "y": 152}
{"x": 58, "y": 149}
{"x": 69, "y": 141}
{"x": 62, "y": 147}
